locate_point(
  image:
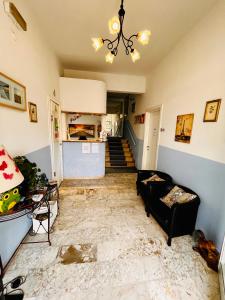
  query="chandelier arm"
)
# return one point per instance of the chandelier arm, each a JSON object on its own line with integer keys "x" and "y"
{"x": 133, "y": 35}
{"x": 116, "y": 47}
{"x": 110, "y": 43}
{"x": 126, "y": 46}
{"x": 129, "y": 42}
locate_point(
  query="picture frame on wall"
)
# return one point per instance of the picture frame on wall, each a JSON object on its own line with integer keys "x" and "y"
{"x": 139, "y": 119}
{"x": 12, "y": 93}
{"x": 33, "y": 112}
{"x": 212, "y": 109}
{"x": 184, "y": 127}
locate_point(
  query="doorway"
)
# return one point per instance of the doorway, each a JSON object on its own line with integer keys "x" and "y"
{"x": 56, "y": 143}
{"x": 113, "y": 121}
{"x": 151, "y": 138}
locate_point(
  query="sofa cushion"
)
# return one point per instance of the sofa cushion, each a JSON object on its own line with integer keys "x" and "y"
{"x": 177, "y": 195}
{"x": 153, "y": 178}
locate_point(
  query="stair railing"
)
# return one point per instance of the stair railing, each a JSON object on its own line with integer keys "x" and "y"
{"x": 131, "y": 135}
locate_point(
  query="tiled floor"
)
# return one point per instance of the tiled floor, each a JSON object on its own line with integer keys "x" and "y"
{"x": 104, "y": 247}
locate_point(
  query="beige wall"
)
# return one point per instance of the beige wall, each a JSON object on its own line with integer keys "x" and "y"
{"x": 120, "y": 83}
{"x": 83, "y": 95}
{"x": 191, "y": 74}
{"x": 27, "y": 58}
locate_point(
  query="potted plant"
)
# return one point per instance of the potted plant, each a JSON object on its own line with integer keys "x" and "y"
{"x": 33, "y": 178}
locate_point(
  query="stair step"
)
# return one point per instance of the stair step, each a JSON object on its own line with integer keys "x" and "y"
{"x": 129, "y": 159}
{"x": 118, "y": 163}
{"x": 114, "y": 143}
{"x": 116, "y": 152}
{"x": 117, "y": 157}
{"x": 116, "y": 147}
{"x": 126, "y": 150}
{"x": 114, "y": 139}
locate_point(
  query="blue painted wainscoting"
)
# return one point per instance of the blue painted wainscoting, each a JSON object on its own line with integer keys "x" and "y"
{"x": 136, "y": 144}
{"x": 13, "y": 232}
{"x": 42, "y": 158}
{"x": 83, "y": 165}
{"x": 207, "y": 179}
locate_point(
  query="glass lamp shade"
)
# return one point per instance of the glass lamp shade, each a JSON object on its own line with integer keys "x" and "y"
{"x": 109, "y": 58}
{"x": 144, "y": 36}
{"x": 135, "y": 55}
{"x": 114, "y": 25}
{"x": 97, "y": 43}
{"x": 10, "y": 175}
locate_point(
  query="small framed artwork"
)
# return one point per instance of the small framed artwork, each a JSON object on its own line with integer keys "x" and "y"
{"x": 12, "y": 93}
{"x": 212, "y": 109}
{"x": 33, "y": 112}
{"x": 184, "y": 128}
{"x": 139, "y": 119}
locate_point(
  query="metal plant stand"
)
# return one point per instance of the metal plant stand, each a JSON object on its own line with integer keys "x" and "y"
{"x": 29, "y": 207}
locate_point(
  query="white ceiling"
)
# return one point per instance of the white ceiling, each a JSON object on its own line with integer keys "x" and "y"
{"x": 70, "y": 25}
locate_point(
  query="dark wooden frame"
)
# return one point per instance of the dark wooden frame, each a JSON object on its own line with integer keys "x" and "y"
{"x": 218, "y": 101}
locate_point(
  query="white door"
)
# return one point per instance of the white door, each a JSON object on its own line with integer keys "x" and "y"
{"x": 56, "y": 142}
{"x": 151, "y": 138}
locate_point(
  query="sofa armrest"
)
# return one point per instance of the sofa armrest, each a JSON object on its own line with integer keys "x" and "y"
{"x": 144, "y": 174}
{"x": 159, "y": 188}
{"x": 183, "y": 216}
{"x": 187, "y": 205}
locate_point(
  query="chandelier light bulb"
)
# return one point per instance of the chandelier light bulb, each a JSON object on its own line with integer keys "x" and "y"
{"x": 97, "y": 43}
{"x": 143, "y": 37}
{"x": 114, "y": 25}
{"x": 109, "y": 58}
{"x": 135, "y": 55}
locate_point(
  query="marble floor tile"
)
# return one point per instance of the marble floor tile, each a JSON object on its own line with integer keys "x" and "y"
{"x": 125, "y": 292}
{"x": 105, "y": 248}
{"x": 28, "y": 258}
{"x": 129, "y": 248}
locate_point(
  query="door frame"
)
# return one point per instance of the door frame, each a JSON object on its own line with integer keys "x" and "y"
{"x": 147, "y": 130}
{"x": 50, "y": 101}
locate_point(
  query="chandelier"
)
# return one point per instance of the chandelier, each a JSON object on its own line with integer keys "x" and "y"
{"x": 116, "y": 28}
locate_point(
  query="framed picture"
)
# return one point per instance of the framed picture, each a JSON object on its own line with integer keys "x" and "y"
{"x": 78, "y": 130}
{"x": 33, "y": 112}
{"x": 12, "y": 93}
{"x": 139, "y": 119}
{"x": 184, "y": 128}
{"x": 212, "y": 110}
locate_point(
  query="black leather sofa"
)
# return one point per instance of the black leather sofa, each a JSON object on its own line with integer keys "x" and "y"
{"x": 176, "y": 221}
{"x": 145, "y": 189}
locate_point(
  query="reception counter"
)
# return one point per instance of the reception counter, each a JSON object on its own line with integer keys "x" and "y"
{"x": 83, "y": 159}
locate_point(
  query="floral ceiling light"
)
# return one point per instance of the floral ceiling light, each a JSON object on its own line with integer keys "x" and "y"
{"x": 116, "y": 28}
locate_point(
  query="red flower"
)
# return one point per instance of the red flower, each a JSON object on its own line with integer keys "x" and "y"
{"x": 2, "y": 152}
{"x": 3, "y": 166}
{"x": 8, "y": 176}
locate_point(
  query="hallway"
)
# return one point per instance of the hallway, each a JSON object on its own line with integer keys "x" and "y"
{"x": 105, "y": 248}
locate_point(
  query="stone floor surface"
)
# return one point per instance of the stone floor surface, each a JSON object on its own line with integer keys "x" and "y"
{"x": 105, "y": 248}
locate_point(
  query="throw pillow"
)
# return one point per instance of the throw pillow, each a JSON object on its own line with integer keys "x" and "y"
{"x": 177, "y": 195}
{"x": 153, "y": 178}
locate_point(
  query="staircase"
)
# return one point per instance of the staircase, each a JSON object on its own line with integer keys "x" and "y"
{"x": 118, "y": 154}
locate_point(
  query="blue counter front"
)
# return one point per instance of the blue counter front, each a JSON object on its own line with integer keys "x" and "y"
{"x": 83, "y": 159}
